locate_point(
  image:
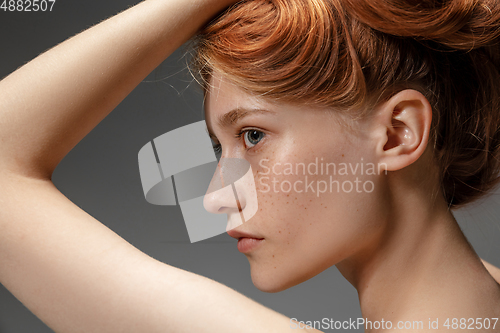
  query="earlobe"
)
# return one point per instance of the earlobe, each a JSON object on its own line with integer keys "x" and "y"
{"x": 405, "y": 121}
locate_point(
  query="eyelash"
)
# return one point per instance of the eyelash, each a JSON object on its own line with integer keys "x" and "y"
{"x": 218, "y": 147}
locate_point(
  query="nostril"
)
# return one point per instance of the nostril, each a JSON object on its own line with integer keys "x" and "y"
{"x": 222, "y": 210}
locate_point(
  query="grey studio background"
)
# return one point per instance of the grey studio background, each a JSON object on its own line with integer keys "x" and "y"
{"x": 101, "y": 176}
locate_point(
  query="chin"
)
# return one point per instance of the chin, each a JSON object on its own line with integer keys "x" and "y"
{"x": 268, "y": 286}
{"x": 272, "y": 280}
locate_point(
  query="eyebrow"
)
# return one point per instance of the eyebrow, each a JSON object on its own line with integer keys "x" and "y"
{"x": 235, "y": 115}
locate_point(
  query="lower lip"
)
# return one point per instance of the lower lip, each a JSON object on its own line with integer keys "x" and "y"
{"x": 246, "y": 245}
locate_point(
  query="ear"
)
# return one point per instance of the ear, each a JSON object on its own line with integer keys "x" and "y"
{"x": 403, "y": 123}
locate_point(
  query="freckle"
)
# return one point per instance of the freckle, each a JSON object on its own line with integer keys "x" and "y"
{"x": 321, "y": 204}
{"x": 305, "y": 207}
{"x": 310, "y": 200}
{"x": 342, "y": 155}
{"x": 310, "y": 223}
{"x": 325, "y": 206}
{"x": 273, "y": 255}
{"x": 287, "y": 202}
{"x": 289, "y": 232}
{"x": 288, "y": 195}
{"x": 279, "y": 231}
{"x": 274, "y": 267}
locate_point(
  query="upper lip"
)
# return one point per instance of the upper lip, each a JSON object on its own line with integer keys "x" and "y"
{"x": 240, "y": 234}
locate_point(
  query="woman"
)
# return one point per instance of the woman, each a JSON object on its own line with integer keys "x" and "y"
{"x": 396, "y": 241}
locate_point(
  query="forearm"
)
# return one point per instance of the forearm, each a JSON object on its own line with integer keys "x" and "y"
{"x": 51, "y": 103}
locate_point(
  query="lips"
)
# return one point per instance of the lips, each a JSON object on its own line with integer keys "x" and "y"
{"x": 246, "y": 242}
{"x": 247, "y": 245}
{"x": 240, "y": 234}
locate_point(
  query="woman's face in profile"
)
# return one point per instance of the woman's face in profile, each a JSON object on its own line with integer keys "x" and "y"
{"x": 320, "y": 194}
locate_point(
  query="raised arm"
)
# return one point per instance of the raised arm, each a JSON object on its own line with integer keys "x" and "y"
{"x": 50, "y": 104}
{"x": 66, "y": 267}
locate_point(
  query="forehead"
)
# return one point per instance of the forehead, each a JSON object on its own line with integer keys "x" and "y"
{"x": 222, "y": 96}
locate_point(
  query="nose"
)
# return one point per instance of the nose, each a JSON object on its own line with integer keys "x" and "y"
{"x": 221, "y": 196}
{"x": 231, "y": 190}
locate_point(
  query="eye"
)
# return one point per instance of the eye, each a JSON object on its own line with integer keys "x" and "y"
{"x": 252, "y": 137}
{"x": 217, "y": 150}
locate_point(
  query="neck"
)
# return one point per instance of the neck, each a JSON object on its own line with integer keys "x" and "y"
{"x": 422, "y": 267}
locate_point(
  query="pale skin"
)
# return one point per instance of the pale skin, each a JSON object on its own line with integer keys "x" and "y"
{"x": 407, "y": 262}
{"x": 78, "y": 276}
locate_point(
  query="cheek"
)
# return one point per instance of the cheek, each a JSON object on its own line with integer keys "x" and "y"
{"x": 282, "y": 212}
{"x": 291, "y": 211}
{"x": 305, "y": 227}
{"x": 276, "y": 202}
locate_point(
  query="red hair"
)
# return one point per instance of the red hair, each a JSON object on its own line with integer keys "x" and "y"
{"x": 353, "y": 54}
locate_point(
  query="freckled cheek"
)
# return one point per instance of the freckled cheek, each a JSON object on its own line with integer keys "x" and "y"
{"x": 282, "y": 211}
